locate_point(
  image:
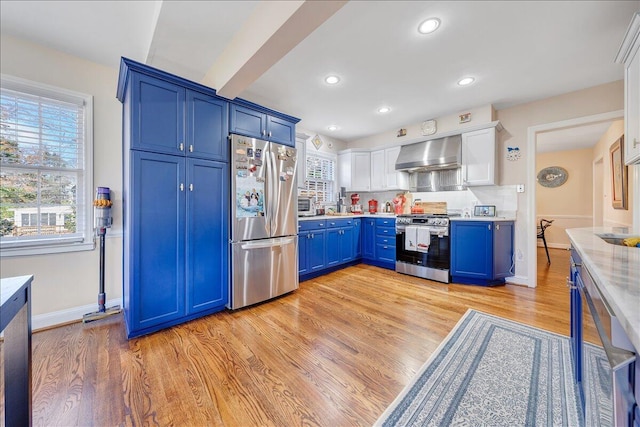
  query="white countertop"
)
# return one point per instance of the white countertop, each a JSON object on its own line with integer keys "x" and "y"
{"x": 482, "y": 218}
{"x": 362, "y": 215}
{"x": 616, "y": 271}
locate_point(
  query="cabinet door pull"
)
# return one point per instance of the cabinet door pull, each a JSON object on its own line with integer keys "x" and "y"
{"x": 269, "y": 134}
{"x": 191, "y": 148}
{"x": 489, "y": 227}
{"x": 190, "y": 187}
{"x": 181, "y": 187}
{"x": 497, "y": 226}
{"x": 181, "y": 146}
{"x": 570, "y": 284}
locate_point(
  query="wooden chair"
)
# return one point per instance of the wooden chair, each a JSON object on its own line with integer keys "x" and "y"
{"x": 544, "y": 223}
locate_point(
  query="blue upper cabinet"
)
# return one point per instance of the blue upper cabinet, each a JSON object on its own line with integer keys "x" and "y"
{"x": 170, "y": 115}
{"x": 207, "y": 126}
{"x": 254, "y": 121}
{"x": 157, "y": 115}
{"x": 281, "y": 131}
{"x": 248, "y": 122}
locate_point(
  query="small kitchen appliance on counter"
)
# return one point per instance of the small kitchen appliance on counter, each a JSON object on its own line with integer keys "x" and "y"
{"x": 373, "y": 206}
{"x": 356, "y": 208}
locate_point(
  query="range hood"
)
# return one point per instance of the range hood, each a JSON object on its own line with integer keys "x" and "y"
{"x": 435, "y": 154}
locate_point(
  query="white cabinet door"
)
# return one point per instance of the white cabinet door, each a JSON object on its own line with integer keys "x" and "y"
{"x": 479, "y": 157}
{"x": 632, "y": 109}
{"x": 394, "y": 180}
{"x": 360, "y": 172}
{"x": 378, "y": 170}
{"x": 354, "y": 168}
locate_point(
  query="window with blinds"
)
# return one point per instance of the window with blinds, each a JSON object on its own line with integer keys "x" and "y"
{"x": 320, "y": 177}
{"x": 45, "y": 174}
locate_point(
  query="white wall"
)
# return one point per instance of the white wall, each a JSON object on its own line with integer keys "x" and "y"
{"x": 517, "y": 121}
{"x": 66, "y": 281}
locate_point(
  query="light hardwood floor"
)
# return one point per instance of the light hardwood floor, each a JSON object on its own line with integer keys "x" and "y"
{"x": 334, "y": 353}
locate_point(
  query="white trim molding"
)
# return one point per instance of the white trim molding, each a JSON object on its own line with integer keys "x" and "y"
{"x": 70, "y": 315}
{"x": 532, "y": 132}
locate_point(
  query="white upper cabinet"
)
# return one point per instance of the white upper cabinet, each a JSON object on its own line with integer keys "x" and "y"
{"x": 629, "y": 55}
{"x": 378, "y": 171}
{"x": 355, "y": 170}
{"x": 479, "y": 157}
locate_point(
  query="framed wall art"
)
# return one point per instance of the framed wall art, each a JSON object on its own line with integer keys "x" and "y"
{"x": 619, "y": 184}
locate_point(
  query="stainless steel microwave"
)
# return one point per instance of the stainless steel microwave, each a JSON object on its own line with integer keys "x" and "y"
{"x": 306, "y": 206}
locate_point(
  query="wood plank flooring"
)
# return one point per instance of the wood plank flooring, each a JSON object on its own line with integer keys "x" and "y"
{"x": 334, "y": 353}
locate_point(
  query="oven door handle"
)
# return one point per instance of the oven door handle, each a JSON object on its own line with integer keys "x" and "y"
{"x": 618, "y": 357}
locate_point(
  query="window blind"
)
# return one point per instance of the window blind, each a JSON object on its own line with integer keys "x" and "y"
{"x": 320, "y": 177}
{"x": 44, "y": 179}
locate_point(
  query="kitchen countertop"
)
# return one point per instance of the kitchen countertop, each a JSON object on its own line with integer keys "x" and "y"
{"x": 390, "y": 215}
{"x": 482, "y": 218}
{"x": 616, "y": 271}
{"x": 362, "y": 215}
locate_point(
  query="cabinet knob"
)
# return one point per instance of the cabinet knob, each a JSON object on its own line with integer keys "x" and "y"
{"x": 190, "y": 187}
{"x": 181, "y": 146}
{"x": 489, "y": 227}
{"x": 269, "y": 134}
{"x": 181, "y": 187}
{"x": 570, "y": 284}
{"x": 497, "y": 226}
{"x": 191, "y": 148}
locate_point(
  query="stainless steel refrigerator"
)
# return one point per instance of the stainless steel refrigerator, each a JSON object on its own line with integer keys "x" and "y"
{"x": 264, "y": 227}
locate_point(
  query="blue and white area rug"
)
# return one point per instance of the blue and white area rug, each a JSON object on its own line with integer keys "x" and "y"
{"x": 491, "y": 371}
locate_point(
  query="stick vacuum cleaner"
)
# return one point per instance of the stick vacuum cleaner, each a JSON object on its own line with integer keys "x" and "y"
{"x": 102, "y": 213}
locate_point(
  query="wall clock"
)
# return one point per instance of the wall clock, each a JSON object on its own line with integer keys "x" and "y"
{"x": 553, "y": 176}
{"x": 428, "y": 127}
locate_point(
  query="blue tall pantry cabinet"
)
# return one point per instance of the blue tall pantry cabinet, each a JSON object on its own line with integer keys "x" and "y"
{"x": 175, "y": 172}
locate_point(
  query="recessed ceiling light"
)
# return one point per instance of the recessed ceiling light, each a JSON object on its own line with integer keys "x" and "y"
{"x": 466, "y": 81}
{"x": 429, "y": 26}
{"x": 333, "y": 127}
{"x": 384, "y": 110}
{"x": 331, "y": 80}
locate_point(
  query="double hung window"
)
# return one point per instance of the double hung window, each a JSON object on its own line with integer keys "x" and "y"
{"x": 45, "y": 169}
{"x": 320, "y": 177}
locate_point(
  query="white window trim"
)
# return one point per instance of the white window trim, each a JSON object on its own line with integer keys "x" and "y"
{"x": 327, "y": 156}
{"x": 60, "y": 245}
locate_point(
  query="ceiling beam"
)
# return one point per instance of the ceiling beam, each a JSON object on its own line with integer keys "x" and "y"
{"x": 272, "y": 30}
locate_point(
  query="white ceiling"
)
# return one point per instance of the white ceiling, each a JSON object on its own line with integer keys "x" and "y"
{"x": 518, "y": 51}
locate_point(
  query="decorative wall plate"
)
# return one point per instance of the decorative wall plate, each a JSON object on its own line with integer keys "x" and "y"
{"x": 317, "y": 142}
{"x": 553, "y": 176}
{"x": 428, "y": 127}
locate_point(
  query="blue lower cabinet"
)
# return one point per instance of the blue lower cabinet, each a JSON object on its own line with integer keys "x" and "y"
{"x": 356, "y": 240}
{"x": 369, "y": 239}
{"x": 379, "y": 242}
{"x": 481, "y": 252}
{"x": 311, "y": 246}
{"x": 182, "y": 275}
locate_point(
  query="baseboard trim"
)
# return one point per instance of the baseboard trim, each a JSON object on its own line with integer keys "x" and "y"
{"x": 69, "y": 315}
{"x": 518, "y": 280}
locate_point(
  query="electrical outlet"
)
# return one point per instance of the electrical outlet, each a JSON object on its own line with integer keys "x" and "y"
{"x": 520, "y": 188}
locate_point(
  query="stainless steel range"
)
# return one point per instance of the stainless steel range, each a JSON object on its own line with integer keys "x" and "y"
{"x": 423, "y": 246}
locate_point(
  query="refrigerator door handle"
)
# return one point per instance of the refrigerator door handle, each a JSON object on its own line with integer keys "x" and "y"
{"x": 275, "y": 191}
{"x": 268, "y": 243}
